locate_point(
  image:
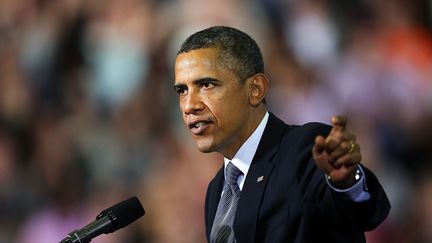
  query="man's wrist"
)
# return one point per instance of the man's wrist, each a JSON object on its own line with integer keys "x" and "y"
{"x": 351, "y": 181}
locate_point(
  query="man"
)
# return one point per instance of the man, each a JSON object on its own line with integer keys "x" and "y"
{"x": 279, "y": 183}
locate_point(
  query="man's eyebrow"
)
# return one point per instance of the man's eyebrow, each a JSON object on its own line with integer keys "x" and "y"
{"x": 197, "y": 82}
{"x": 206, "y": 80}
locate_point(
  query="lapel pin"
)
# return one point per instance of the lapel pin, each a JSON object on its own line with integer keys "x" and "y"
{"x": 259, "y": 179}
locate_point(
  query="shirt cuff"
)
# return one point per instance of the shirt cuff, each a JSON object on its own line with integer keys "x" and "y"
{"x": 358, "y": 192}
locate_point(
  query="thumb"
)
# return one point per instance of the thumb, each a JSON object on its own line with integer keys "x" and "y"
{"x": 339, "y": 123}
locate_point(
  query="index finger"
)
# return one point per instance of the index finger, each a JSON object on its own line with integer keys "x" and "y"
{"x": 339, "y": 123}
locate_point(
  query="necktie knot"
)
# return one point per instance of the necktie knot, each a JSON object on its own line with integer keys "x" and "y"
{"x": 232, "y": 174}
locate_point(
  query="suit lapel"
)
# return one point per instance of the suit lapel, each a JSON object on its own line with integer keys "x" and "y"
{"x": 256, "y": 181}
{"x": 215, "y": 191}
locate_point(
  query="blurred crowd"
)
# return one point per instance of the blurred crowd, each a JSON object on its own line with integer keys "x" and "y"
{"x": 88, "y": 116}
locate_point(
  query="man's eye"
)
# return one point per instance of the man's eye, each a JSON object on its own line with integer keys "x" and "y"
{"x": 180, "y": 91}
{"x": 207, "y": 85}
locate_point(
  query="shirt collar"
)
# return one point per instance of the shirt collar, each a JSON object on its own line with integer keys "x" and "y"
{"x": 243, "y": 158}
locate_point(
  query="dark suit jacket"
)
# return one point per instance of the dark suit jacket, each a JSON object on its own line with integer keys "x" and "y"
{"x": 293, "y": 203}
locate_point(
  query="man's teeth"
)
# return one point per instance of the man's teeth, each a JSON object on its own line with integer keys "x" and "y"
{"x": 199, "y": 124}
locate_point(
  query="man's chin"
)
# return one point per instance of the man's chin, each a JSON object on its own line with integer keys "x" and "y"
{"x": 205, "y": 147}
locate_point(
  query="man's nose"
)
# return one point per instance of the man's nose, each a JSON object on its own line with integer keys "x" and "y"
{"x": 193, "y": 103}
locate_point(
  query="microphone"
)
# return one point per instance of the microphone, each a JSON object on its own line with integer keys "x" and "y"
{"x": 108, "y": 221}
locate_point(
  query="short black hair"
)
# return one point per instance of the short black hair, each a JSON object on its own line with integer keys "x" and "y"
{"x": 238, "y": 51}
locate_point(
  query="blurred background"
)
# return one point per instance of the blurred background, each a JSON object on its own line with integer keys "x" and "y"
{"x": 88, "y": 116}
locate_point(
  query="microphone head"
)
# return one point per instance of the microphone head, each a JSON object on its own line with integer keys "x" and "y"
{"x": 124, "y": 212}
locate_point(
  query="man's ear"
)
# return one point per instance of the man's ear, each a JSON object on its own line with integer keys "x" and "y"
{"x": 258, "y": 84}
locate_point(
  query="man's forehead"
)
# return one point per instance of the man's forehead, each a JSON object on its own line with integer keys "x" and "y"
{"x": 191, "y": 61}
{"x": 194, "y": 62}
{"x": 206, "y": 56}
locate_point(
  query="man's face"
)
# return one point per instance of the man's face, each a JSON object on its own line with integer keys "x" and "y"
{"x": 214, "y": 103}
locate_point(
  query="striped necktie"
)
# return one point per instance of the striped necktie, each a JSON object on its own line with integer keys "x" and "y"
{"x": 222, "y": 230}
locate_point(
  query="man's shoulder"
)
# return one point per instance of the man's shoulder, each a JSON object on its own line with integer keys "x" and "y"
{"x": 304, "y": 135}
{"x": 314, "y": 128}
{"x": 306, "y": 129}
{"x": 288, "y": 138}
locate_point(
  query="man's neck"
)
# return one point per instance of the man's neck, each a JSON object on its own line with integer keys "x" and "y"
{"x": 256, "y": 120}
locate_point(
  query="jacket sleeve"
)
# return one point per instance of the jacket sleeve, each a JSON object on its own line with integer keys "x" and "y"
{"x": 334, "y": 207}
